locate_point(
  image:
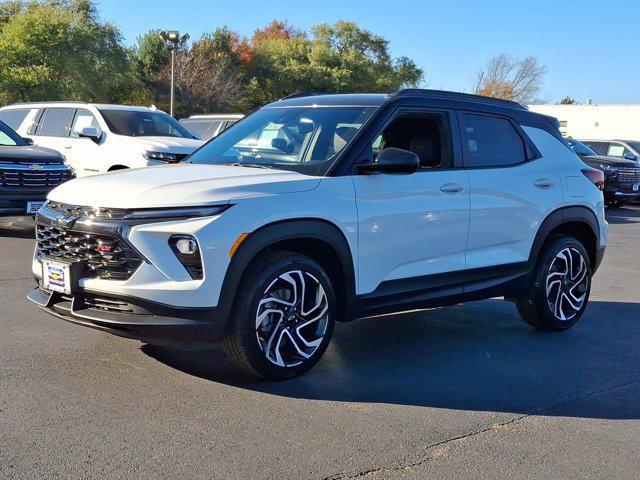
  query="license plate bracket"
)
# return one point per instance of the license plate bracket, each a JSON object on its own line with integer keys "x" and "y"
{"x": 33, "y": 207}
{"x": 60, "y": 276}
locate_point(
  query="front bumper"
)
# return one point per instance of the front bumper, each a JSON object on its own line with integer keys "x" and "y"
{"x": 134, "y": 318}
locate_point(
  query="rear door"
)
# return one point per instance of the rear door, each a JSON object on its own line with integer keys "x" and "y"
{"x": 513, "y": 188}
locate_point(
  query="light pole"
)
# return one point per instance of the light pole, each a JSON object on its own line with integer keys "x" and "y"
{"x": 173, "y": 38}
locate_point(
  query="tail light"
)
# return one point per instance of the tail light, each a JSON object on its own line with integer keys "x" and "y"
{"x": 596, "y": 177}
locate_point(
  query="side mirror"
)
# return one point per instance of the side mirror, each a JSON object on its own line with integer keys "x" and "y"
{"x": 630, "y": 156}
{"x": 90, "y": 132}
{"x": 281, "y": 144}
{"x": 392, "y": 160}
{"x": 28, "y": 140}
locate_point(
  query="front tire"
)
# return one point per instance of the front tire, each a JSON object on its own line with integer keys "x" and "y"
{"x": 561, "y": 285}
{"x": 282, "y": 318}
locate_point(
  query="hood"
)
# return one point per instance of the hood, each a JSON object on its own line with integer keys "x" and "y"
{"x": 179, "y": 185}
{"x": 165, "y": 144}
{"x": 30, "y": 154}
{"x": 595, "y": 160}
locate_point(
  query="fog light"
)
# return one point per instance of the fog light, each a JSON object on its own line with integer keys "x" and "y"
{"x": 186, "y": 249}
{"x": 187, "y": 246}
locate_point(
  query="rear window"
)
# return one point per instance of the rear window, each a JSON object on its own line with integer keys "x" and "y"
{"x": 14, "y": 117}
{"x": 490, "y": 142}
{"x": 56, "y": 122}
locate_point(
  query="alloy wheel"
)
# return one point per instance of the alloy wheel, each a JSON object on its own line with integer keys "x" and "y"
{"x": 567, "y": 284}
{"x": 292, "y": 318}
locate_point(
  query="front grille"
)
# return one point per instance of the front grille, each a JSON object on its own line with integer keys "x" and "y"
{"x": 105, "y": 257}
{"x": 10, "y": 178}
{"x": 629, "y": 175}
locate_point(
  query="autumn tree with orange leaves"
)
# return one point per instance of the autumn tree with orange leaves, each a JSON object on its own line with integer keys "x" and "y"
{"x": 511, "y": 78}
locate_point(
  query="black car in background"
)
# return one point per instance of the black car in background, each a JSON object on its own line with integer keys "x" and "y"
{"x": 621, "y": 176}
{"x": 27, "y": 175}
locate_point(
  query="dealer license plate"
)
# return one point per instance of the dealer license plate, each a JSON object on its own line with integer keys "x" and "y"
{"x": 56, "y": 276}
{"x": 33, "y": 207}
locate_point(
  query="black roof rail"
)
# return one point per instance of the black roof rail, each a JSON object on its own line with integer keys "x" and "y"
{"x": 300, "y": 94}
{"x": 469, "y": 97}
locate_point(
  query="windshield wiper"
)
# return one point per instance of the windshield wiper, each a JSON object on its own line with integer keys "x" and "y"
{"x": 250, "y": 165}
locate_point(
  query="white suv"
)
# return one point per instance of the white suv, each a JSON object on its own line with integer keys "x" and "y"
{"x": 102, "y": 138}
{"x": 322, "y": 209}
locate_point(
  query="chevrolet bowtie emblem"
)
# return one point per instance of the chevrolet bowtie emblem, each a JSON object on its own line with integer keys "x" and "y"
{"x": 67, "y": 221}
{"x": 36, "y": 167}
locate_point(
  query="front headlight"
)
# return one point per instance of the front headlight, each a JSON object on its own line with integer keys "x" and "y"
{"x": 172, "y": 213}
{"x": 160, "y": 156}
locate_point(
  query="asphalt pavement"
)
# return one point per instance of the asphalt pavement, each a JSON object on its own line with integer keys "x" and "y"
{"x": 469, "y": 391}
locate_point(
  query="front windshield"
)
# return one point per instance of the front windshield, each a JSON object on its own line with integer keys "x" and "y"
{"x": 303, "y": 139}
{"x": 580, "y": 148}
{"x": 9, "y": 138}
{"x": 141, "y": 123}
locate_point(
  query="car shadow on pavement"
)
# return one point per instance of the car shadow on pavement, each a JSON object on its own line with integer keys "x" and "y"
{"x": 17, "y": 233}
{"x": 627, "y": 214}
{"x": 479, "y": 357}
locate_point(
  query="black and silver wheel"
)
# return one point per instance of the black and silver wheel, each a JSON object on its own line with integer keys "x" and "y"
{"x": 560, "y": 287}
{"x": 282, "y": 318}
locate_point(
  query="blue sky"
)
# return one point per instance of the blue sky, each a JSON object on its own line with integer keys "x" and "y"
{"x": 590, "y": 47}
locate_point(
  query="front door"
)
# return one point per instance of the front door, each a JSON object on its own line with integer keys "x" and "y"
{"x": 84, "y": 153}
{"x": 413, "y": 228}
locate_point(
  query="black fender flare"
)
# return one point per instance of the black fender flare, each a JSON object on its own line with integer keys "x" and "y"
{"x": 277, "y": 232}
{"x": 555, "y": 219}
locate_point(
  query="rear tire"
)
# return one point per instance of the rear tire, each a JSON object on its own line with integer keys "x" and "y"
{"x": 560, "y": 289}
{"x": 282, "y": 317}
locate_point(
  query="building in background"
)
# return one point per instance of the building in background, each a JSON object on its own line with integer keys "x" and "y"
{"x": 598, "y": 122}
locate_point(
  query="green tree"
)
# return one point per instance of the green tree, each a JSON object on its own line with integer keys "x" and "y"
{"x": 336, "y": 59}
{"x": 61, "y": 49}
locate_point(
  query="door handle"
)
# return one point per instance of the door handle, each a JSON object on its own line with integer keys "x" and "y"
{"x": 543, "y": 183}
{"x": 451, "y": 188}
{"x": 67, "y": 147}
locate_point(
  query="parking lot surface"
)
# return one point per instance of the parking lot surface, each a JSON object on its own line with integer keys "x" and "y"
{"x": 468, "y": 391}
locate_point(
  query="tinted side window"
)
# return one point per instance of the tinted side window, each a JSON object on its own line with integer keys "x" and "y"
{"x": 56, "y": 122}
{"x": 490, "y": 142}
{"x": 427, "y": 134}
{"x": 14, "y": 118}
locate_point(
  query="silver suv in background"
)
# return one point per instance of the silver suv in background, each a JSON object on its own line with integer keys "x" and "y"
{"x": 209, "y": 126}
